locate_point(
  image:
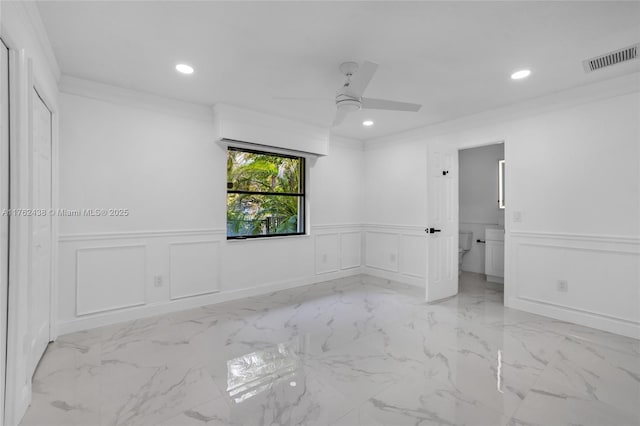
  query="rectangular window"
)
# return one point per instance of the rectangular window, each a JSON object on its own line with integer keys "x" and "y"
{"x": 265, "y": 194}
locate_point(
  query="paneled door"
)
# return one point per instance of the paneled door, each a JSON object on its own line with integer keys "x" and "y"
{"x": 4, "y": 219}
{"x": 40, "y": 274}
{"x": 442, "y": 222}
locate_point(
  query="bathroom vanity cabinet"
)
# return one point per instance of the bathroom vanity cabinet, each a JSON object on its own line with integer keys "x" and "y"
{"x": 494, "y": 255}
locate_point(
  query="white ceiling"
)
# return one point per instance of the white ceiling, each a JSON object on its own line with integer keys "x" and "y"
{"x": 455, "y": 58}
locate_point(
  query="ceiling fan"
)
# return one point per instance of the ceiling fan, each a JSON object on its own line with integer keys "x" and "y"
{"x": 349, "y": 97}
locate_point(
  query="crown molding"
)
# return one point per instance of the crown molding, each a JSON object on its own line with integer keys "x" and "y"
{"x": 133, "y": 98}
{"x": 34, "y": 18}
{"x": 346, "y": 143}
{"x": 620, "y": 86}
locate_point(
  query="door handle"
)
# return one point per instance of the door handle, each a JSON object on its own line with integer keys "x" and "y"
{"x": 431, "y": 230}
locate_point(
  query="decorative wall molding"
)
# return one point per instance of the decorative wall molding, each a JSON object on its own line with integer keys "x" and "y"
{"x": 133, "y": 98}
{"x": 581, "y": 311}
{"x": 88, "y": 236}
{"x": 595, "y": 238}
{"x": 411, "y": 263}
{"x": 336, "y": 228}
{"x": 534, "y": 272}
{"x": 382, "y": 250}
{"x": 394, "y": 228}
{"x": 394, "y": 277}
{"x": 564, "y": 99}
{"x": 151, "y": 309}
{"x": 346, "y": 143}
{"x": 350, "y": 250}
{"x": 398, "y": 258}
{"x": 575, "y": 316}
{"x": 196, "y": 276}
{"x": 107, "y": 278}
{"x": 33, "y": 15}
{"x": 64, "y": 238}
{"x": 622, "y": 250}
{"x": 181, "y": 287}
{"x": 327, "y": 252}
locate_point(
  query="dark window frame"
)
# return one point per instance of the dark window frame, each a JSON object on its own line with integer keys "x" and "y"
{"x": 302, "y": 214}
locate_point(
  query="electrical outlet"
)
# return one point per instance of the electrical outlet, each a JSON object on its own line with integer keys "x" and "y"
{"x": 563, "y": 286}
{"x": 517, "y": 216}
{"x": 324, "y": 258}
{"x": 157, "y": 281}
{"x": 392, "y": 257}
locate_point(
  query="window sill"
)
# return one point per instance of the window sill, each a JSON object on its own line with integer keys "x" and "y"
{"x": 283, "y": 237}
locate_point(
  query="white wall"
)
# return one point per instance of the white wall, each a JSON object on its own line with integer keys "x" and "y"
{"x": 573, "y": 170}
{"x": 127, "y": 150}
{"x": 395, "y": 191}
{"x": 32, "y": 65}
{"x": 478, "y": 199}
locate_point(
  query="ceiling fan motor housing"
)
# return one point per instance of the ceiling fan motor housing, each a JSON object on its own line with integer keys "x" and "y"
{"x": 347, "y": 103}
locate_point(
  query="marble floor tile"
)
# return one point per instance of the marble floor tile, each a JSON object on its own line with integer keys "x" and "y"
{"x": 594, "y": 373}
{"x": 420, "y": 402}
{"x": 215, "y": 412}
{"x": 564, "y": 406}
{"x": 356, "y": 351}
{"x": 359, "y": 371}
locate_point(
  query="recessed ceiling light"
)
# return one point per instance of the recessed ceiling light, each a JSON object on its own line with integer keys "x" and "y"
{"x": 367, "y": 123}
{"x": 184, "y": 69}
{"x": 520, "y": 74}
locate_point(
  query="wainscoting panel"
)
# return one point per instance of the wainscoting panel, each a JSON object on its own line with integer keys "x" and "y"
{"x": 396, "y": 253}
{"x": 164, "y": 271}
{"x": 602, "y": 276}
{"x": 413, "y": 255}
{"x": 350, "y": 250}
{"x": 109, "y": 278}
{"x": 194, "y": 268}
{"x": 327, "y": 253}
{"x": 381, "y": 250}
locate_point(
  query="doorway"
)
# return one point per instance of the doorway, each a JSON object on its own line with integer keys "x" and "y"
{"x": 481, "y": 215}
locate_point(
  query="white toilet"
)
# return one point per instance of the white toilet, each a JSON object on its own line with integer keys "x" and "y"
{"x": 464, "y": 245}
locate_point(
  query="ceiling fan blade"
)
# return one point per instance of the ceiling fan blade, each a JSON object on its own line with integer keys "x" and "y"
{"x": 303, "y": 99}
{"x": 361, "y": 79}
{"x": 340, "y": 116}
{"x": 371, "y": 103}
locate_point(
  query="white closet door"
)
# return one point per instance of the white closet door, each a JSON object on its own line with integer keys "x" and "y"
{"x": 40, "y": 277}
{"x": 4, "y": 219}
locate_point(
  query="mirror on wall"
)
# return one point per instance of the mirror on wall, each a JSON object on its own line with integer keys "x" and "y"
{"x": 501, "y": 186}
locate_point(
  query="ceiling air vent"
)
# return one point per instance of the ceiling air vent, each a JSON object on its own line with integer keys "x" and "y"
{"x": 611, "y": 58}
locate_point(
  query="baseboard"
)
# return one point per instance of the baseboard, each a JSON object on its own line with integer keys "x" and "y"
{"x": 394, "y": 276}
{"x": 587, "y": 319}
{"x": 114, "y": 317}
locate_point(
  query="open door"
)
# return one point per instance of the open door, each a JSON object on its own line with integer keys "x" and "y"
{"x": 442, "y": 222}
{"x": 40, "y": 283}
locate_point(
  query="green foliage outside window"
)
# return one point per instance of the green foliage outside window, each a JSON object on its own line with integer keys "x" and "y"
{"x": 265, "y": 194}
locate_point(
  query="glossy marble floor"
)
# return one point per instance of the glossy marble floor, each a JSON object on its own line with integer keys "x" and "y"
{"x": 359, "y": 351}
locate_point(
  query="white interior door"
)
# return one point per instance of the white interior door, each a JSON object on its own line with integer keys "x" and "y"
{"x": 442, "y": 222}
{"x": 4, "y": 219}
{"x": 40, "y": 274}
